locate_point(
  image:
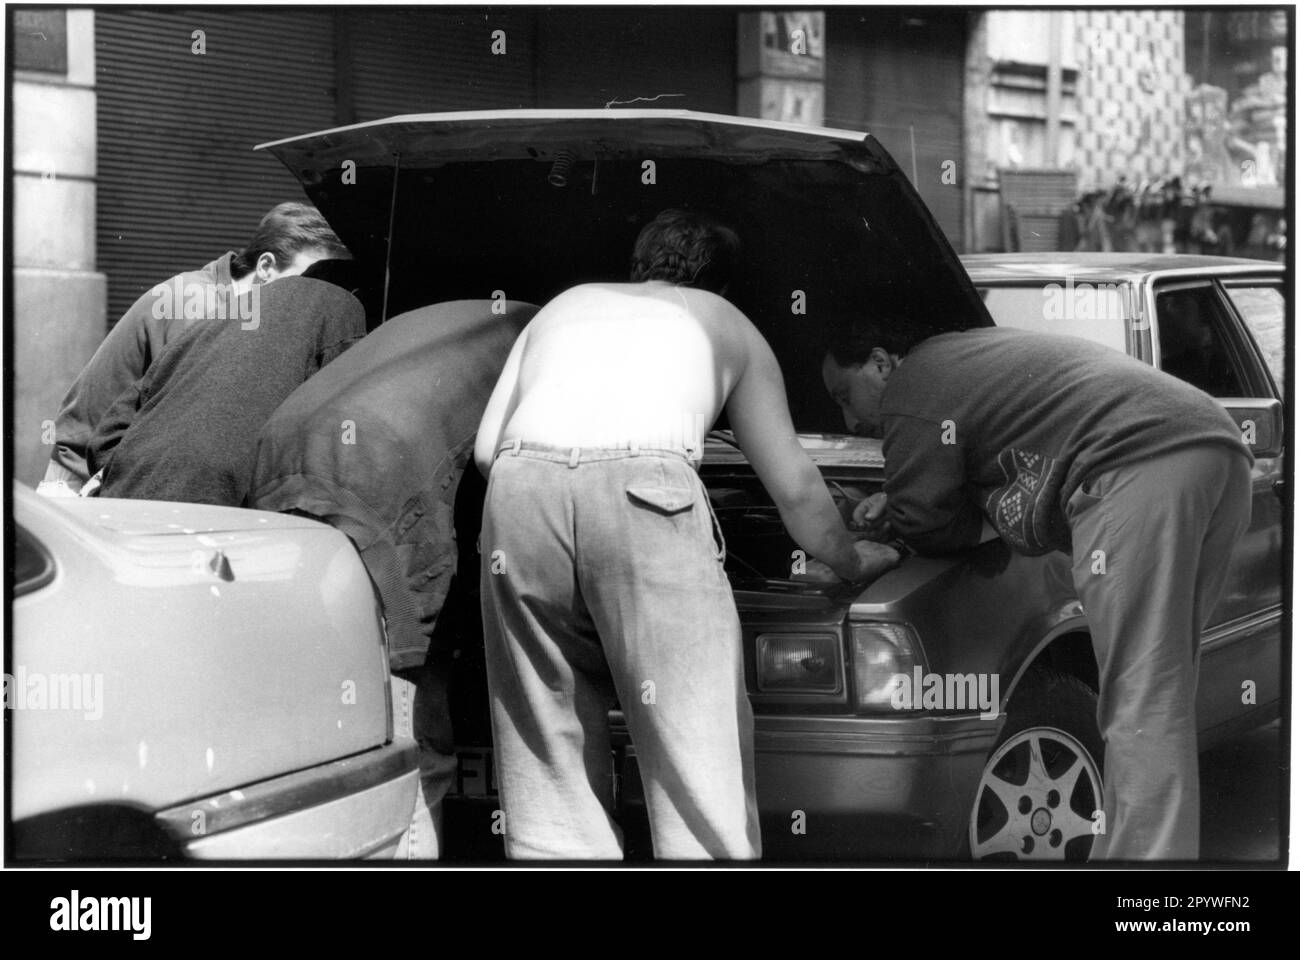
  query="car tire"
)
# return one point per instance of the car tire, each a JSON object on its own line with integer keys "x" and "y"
{"x": 1039, "y": 793}
{"x": 105, "y": 832}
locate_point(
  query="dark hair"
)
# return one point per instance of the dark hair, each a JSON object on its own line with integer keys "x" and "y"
{"x": 288, "y": 230}
{"x": 850, "y": 344}
{"x": 342, "y": 273}
{"x": 686, "y": 248}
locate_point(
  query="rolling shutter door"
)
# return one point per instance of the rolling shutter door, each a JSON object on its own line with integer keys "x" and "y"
{"x": 179, "y": 183}
{"x": 406, "y": 61}
{"x": 426, "y": 61}
{"x": 590, "y": 57}
{"x": 898, "y": 76}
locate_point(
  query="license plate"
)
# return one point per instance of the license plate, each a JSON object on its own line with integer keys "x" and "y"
{"x": 475, "y": 775}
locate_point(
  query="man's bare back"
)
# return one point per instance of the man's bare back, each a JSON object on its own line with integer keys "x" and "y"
{"x": 621, "y": 364}
{"x": 648, "y": 364}
{"x": 651, "y": 364}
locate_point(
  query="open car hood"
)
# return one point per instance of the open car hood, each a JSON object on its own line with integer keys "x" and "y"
{"x": 530, "y": 202}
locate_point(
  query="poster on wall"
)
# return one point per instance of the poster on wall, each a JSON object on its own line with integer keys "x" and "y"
{"x": 787, "y": 43}
{"x": 781, "y": 65}
{"x": 1236, "y": 112}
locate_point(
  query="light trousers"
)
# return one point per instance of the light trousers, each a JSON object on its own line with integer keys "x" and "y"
{"x": 603, "y": 578}
{"x": 1152, "y": 544}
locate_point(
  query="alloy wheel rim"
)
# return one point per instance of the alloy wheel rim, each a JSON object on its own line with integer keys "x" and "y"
{"x": 1036, "y": 799}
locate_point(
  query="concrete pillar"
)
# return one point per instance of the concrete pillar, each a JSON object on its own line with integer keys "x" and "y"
{"x": 1055, "y": 42}
{"x": 980, "y": 223}
{"x": 59, "y": 300}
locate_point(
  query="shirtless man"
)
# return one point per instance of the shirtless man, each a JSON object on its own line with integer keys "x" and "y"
{"x": 602, "y": 561}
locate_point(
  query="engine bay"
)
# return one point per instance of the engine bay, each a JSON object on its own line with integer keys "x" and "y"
{"x": 759, "y": 548}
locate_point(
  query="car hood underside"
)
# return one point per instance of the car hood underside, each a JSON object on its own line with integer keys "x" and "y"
{"x": 532, "y": 202}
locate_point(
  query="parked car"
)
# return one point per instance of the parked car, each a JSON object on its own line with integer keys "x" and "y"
{"x": 1220, "y": 324}
{"x": 196, "y": 681}
{"x": 523, "y": 204}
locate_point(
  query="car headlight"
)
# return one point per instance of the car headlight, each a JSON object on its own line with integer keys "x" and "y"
{"x": 881, "y": 652}
{"x": 799, "y": 663}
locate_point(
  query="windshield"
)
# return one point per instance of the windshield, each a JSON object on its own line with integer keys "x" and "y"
{"x": 1095, "y": 311}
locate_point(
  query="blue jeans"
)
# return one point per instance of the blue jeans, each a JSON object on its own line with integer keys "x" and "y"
{"x": 603, "y": 578}
{"x": 421, "y": 713}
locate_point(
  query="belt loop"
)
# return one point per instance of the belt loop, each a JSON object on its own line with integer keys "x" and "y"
{"x": 574, "y": 455}
{"x": 515, "y": 450}
{"x": 636, "y": 449}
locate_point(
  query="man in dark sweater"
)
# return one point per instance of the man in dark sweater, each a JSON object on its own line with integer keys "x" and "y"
{"x": 187, "y": 430}
{"x": 1063, "y": 444}
{"x": 290, "y": 238}
{"x": 377, "y": 445}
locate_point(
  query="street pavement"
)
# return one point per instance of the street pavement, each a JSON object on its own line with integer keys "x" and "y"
{"x": 1241, "y": 804}
{"x": 1241, "y": 797}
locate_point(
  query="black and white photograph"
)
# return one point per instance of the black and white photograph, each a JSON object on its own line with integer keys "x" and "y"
{"x": 467, "y": 437}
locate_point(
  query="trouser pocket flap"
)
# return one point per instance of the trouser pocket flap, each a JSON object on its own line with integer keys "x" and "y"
{"x": 666, "y": 500}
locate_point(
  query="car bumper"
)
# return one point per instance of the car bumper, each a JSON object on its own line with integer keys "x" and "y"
{"x": 356, "y": 807}
{"x": 857, "y": 788}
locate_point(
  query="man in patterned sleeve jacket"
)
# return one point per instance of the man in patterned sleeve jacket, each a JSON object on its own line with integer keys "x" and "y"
{"x": 1064, "y": 444}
